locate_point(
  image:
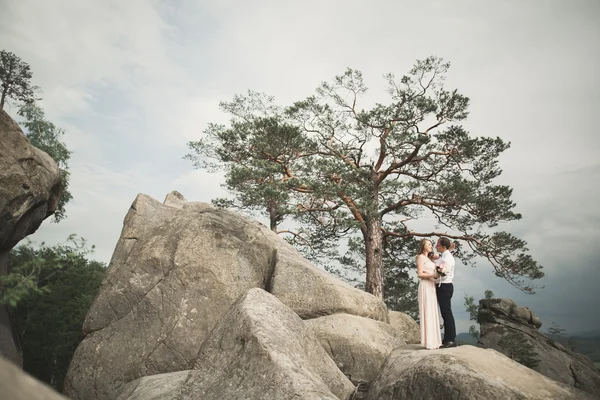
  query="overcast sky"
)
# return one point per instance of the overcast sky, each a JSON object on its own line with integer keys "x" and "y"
{"x": 132, "y": 81}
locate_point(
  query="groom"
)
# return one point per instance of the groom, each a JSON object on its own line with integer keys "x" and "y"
{"x": 445, "y": 290}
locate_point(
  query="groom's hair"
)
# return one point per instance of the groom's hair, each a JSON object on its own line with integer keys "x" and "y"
{"x": 444, "y": 241}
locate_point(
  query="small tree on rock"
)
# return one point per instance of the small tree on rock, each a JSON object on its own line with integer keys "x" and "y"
{"x": 15, "y": 79}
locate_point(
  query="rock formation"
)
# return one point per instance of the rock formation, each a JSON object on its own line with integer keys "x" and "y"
{"x": 177, "y": 269}
{"x": 357, "y": 345}
{"x": 30, "y": 186}
{"x": 201, "y": 303}
{"x": 259, "y": 350}
{"x": 406, "y": 327}
{"x": 502, "y": 317}
{"x": 464, "y": 372}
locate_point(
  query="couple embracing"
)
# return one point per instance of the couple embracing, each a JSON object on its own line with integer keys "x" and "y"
{"x": 435, "y": 288}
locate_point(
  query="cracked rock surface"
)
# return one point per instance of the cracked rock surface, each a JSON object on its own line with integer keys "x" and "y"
{"x": 501, "y": 317}
{"x": 30, "y": 188}
{"x": 357, "y": 345}
{"x": 259, "y": 350}
{"x": 30, "y": 184}
{"x": 175, "y": 272}
{"x": 464, "y": 372}
{"x": 202, "y": 303}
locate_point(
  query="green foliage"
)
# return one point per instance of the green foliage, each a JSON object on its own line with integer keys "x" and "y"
{"x": 15, "y": 77}
{"x": 517, "y": 347}
{"x": 400, "y": 287}
{"x": 27, "y": 267}
{"x": 471, "y": 307}
{"x": 365, "y": 176}
{"x": 23, "y": 277}
{"x": 400, "y": 291}
{"x": 257, "y": 153}
{"x": 49, "y": 319}
{"x": 473, "y": 310}
{"x": 401, "y": 294}
{"x": 47, "y": 137}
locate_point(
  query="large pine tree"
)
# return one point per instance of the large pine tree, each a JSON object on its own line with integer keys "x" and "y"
{"x": 374, "y": 172}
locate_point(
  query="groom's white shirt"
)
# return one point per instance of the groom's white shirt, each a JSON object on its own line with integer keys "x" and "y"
{"x": 447, "y": 259}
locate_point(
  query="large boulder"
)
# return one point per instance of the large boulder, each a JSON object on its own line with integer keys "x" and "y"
{"x": 259, "y": 350}
{"x": 502, "y": 318}
{"x": 30, "y": 184}
{"x": 507, "y": 308}
{"x": 312, "y": 293}
{"x": 357, "y": 345}
{"x": 406, "y": 327}
{"x": 156, "y": 387}
{"x": 177, "y": 268}
{"x": 18, "y": 385}
{"x": 30, "y": 187}
{"x": 464, "y": 372}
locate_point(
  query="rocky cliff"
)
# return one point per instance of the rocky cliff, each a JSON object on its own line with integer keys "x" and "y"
{"x": 30, "y": 187}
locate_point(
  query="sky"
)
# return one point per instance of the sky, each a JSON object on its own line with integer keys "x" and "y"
{"x": 131, "y": 82}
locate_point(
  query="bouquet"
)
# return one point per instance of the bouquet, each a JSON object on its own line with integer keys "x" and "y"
{"x": 441, "y": 269}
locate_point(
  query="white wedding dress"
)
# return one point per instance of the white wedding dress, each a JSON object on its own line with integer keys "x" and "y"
{"x": 431, "y": 336}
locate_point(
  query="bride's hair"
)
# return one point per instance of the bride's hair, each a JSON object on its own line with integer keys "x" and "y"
{"x": 422, "y": 246}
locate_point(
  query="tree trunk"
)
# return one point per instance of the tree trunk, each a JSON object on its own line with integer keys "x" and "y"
{"x": 2, "y": 99}
{"x": 374, "y": 256}
{"x": 273, "y": 217}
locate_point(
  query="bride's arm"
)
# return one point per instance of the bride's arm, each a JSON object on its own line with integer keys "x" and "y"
{"x": 420, "y": 269}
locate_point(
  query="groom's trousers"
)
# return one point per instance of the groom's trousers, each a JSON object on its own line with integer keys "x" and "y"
{"x": 444, "y": 296}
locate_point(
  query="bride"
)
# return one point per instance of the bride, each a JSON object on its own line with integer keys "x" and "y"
{"x": 431, "y": 337}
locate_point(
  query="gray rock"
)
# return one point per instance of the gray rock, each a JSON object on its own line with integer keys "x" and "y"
{"x": 174, "y": 273}
{"x": 155, "y": 387}
{"x": 407, "y": 328}
{"x": 30, "y": 187}
{"x": 312, "y": 293}
{"x": 30, "y": 184}
{"x": 176, "y": 270}
{"x": 259, "y": 350}
{"x": 555, "y": 360}
{"x": 463, "y": 372}
{"x": 499, "y": 306}
{"x": 357, "y": 345}
{"x": 18, "y": 385}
